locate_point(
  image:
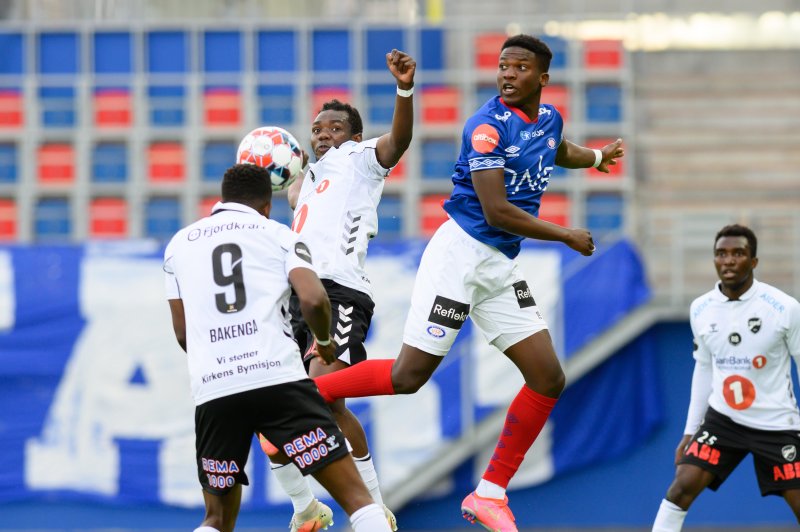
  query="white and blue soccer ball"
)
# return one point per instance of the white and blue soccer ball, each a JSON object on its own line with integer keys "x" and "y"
{"x": 274, "y": 149}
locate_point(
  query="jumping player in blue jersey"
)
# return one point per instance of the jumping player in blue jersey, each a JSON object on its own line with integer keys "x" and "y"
{"x": 509, "y": 147}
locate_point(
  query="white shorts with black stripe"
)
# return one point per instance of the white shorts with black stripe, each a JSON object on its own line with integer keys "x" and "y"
{"x": 459, "y": 276}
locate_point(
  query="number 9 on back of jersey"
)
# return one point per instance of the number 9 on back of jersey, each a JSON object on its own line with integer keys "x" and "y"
{"x": 275, "y": 150}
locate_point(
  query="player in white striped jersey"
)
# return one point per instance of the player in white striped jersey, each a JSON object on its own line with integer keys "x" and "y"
{"x": 228, "y": 277}
{"x": 742, "y": 399}
{"x": 335, "y": 211}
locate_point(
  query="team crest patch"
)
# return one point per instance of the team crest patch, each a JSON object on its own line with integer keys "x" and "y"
{"x": 436, "y": 332}
{"x": 485, "y": 139}
{"x": 551, "y": 143}
{"x": 789, "y": 453}
{"x": 735, "y": 338}
{"x": 754, "y": 324}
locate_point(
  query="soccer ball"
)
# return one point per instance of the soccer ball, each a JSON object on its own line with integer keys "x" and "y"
{"x": 275, "y": 150}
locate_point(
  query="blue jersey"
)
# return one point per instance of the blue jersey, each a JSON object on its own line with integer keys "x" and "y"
{"x": 498, "y": 136}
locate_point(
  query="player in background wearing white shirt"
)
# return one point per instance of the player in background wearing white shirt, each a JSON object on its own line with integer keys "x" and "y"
{"x": 335, "y": 208}
{"x": 745, "y": 332}
{"x": 228, "y": 278}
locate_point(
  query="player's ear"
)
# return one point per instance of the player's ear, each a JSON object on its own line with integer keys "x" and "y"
{"x": 265, "y": 210}
{"x": 544, "y": 79}
{"x": 357, "y": 137}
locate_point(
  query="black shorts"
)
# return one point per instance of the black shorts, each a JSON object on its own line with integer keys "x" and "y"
{"x": 351, "y": 314}
{"x": 292, "y": 416}
{"x": 720, "y": 444}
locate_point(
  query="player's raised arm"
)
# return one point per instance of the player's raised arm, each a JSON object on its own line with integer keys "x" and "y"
{"x": 570, "y": 155}
{"x": 393, "y": 145}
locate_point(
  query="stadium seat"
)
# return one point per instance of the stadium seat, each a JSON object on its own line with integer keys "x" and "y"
{"x": 320, "y": 95}
{"x": 440, "y": 105}
{"x": 52, "y": 220}
{"x": 8, "y": 162}
{"x": 390, "y": 218}
{"x": 557, "y": 96}
{"x": 602, "y": 54}
{"x": 555, "y": 208}
{"x": 110, "y": 162}
{"x": 487, "y": 50}
{"x": 222, "y": 107}
{"x": 11, "y": 109}
{"x": 8, "y": 219}
{"x": 57, "y": 105}
{"x": 398, "y": 173}
{"x": 166, "y": 162}
{"x": 438, "y": 158}
{"x": 280, "y": 209}
{"x": 56, "y": 163}
{"x": 108, "y": 218}
{"x": 432, "y": 214}
{"x": 112, "y": 108}
{"x": 167, "y": 105}
{"x": 276, "y": 104}
{"x": 603, "y": 102}
{"x": 380, "y": 103}
{"x": 218, "y": 156}
{"x": 604, "y": 214}
{"x": 205, "y": 206}
{"x": 614, "y": 172}
{"x": 162, "y": 217}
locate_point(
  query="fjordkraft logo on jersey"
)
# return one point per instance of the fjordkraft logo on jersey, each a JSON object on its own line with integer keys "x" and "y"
{"x": 448, "y": 313}
{"x": 485, "y": 139}
{"x": 523, "y": 293}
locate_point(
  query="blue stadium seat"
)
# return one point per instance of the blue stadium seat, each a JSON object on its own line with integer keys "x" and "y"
{"x": 57, "y": 105}
{"x": 8, "y": 163}
{"x": 162, "y": 217}
{"x": 330, "y": 50}
{"x": 218, "y": 156}
{"x": 438, "y": 158}
{"x": 280, "y": 211}
{"x": 378, "y": 43}
{"x": 390, "y": 218}
{"x": 110, "y": 163}
{"x": 380, "y": 103}
{"x": 52, "y": 220}
{"x": 113, "y": 52}
{"x": 284, "y": 42}
{"x": 167, "y": 105}
{"x": 603, "y": 102}
{"x": 276, "y": 104}
{"x": 560, "y": 50}
{"x": 222, "y": 52}
{"x": 604, "y": 214}
{"x": 431, "y": 49}
{"x": 167, "y": 58}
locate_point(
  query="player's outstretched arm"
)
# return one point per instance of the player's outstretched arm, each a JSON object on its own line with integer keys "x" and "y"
{"x": 570, "y": 155}
{"x": 393, "y": 145}
{"x": 500, "y": 213}
{"x": 293, "y": 192}
{"x": 315, "y": 306}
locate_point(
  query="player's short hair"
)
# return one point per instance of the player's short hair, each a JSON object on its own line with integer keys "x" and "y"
{"x": 532, "y": 44}
{"x": 248, "y": 184}
{"x": 739, "y": 230}
{"x": 353, "y": 116}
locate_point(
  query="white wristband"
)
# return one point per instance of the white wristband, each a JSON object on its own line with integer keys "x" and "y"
{"x": 323, "y": 343}
{"x": 598, "y": 158}
{"x": 405, "y": 93}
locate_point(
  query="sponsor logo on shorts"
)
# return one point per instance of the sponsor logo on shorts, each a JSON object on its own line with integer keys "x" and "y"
{"x": 735, "y": 338}
{"x": 448, "y": 313}
{"x": 310, "y": 448}
{"x": 754, "y": 324}
{"x": 787, "y": 472}
{"x": 436, "y": 332}
{"x": 485, "y": 138}
{"x": 703, "y": 452}
{"x": 789, "y": 453}
{"x": 523, "y": 293}
{"x": 220, "y": 472}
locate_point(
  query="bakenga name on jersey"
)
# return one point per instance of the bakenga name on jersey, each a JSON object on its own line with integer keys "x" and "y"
{"x": 233, "y": 331}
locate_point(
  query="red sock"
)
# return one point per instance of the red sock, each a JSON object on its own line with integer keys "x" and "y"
{"x": 524, "y": 421}
{"x": 365, "y": 379}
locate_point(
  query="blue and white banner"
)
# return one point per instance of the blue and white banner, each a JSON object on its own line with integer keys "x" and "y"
{"x": 95, "y": 401}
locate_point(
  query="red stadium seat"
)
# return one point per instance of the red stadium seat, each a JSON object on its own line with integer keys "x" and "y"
{"x": 108, "y": 218}
{"x": 601, "y": 54}
{"x": 166, "y": 162}
{"x": 112, "y": 108}
{"x": 487, "y": 50}
{"x": 441, "y": 105}
{"x": 614, "y": 172}
{"x": 8, "y": 219}
{"x": 432, "y": 213}
{"x": 399, "y": 171}
{"x": 320, "y": 95}
{"x": 204, "y": 208}
{"x": 555, "y": 208}
{"x": 56, "y": 163}
{"x": 558, "y": 96}
{"x": 222, "y": 107}
{"x": 11, "y": 112}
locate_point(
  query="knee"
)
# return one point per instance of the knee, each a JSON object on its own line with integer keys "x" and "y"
{"x": 681, "y": 494}
{"x": 549, "y": 383}
{"x": 405, "y": 382}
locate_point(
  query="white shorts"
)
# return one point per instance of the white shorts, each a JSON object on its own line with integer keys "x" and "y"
{"x": 459, "y": 276}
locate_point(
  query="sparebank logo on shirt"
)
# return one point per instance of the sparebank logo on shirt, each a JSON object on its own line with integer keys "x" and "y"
{"x": 485, "y": 138}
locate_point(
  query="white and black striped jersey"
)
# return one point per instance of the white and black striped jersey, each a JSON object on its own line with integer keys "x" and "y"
{"x": 336, "y": 211}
